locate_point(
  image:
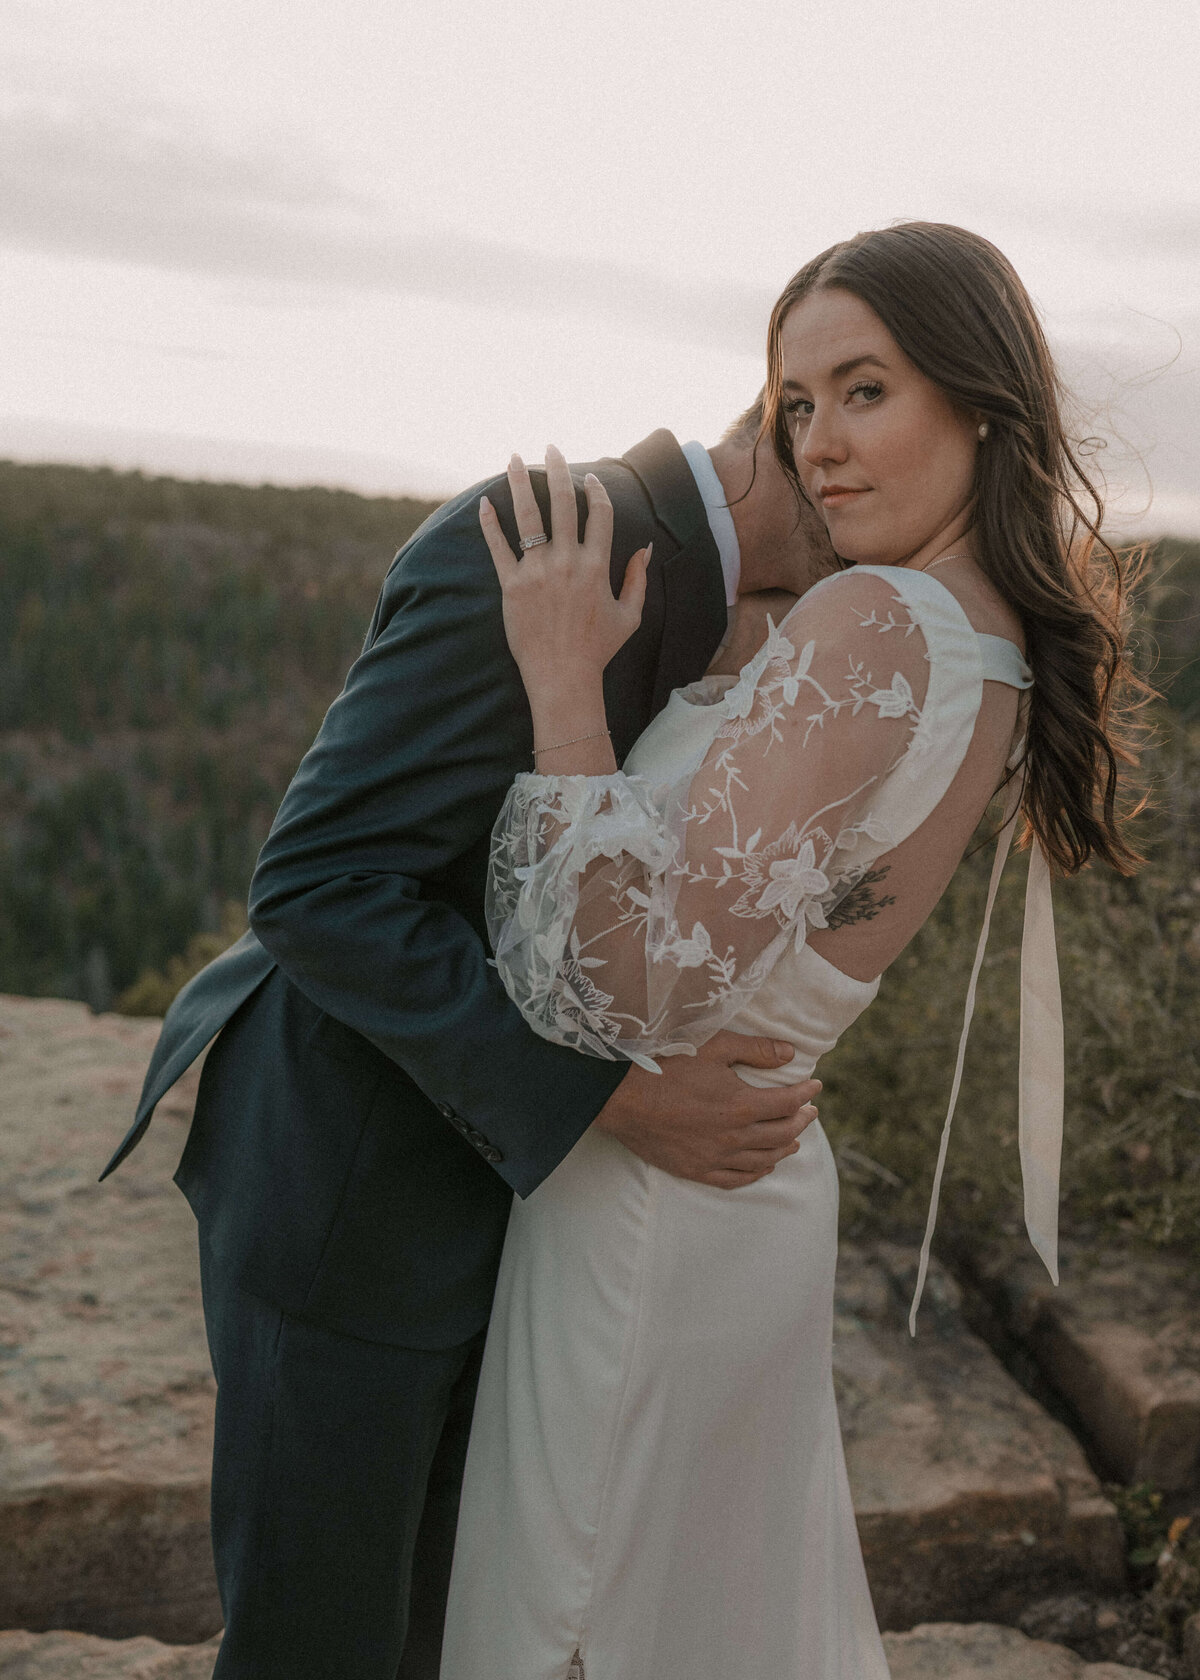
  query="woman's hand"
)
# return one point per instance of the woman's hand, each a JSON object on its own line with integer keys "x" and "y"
{"x": 560, "y": 616}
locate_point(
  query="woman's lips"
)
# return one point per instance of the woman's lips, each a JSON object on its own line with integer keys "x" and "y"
{"x": 839, "y": 498}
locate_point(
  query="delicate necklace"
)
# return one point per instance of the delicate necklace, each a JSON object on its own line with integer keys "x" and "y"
{"x": 940, "y": 559}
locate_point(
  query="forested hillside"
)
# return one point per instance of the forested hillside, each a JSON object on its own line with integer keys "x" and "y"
{"x": 167, "y": 652}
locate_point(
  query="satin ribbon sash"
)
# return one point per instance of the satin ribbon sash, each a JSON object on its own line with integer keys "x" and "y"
{"x": 1041, "y": 1063}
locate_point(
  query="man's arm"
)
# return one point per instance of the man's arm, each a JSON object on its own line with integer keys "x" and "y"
{"x": 404, "y": 778}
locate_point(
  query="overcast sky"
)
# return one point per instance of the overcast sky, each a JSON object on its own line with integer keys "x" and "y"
{"x": 383, "y": 244}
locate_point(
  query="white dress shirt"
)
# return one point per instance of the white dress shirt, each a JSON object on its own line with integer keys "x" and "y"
{"x": 719, "y": 517}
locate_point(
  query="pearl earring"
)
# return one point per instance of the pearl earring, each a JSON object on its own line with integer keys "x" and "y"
{"x": 983, "y": 430}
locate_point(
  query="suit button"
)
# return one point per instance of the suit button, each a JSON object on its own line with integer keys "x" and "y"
{"x": 491, "y": 1153}
{"x": 447, "y": 1111}
{"x": 477, "y": 1138}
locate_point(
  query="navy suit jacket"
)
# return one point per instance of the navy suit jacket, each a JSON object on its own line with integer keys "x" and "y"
{"x": 374, "y": 1097}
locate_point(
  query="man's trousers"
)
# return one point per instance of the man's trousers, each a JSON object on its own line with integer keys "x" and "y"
{"x": 337, "y": 1468}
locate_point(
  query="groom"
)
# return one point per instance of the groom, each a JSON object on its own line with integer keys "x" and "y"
{"x": 373, "y": 1099}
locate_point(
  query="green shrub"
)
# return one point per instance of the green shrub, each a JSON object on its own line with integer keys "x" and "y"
{"x": 154, "y": 990}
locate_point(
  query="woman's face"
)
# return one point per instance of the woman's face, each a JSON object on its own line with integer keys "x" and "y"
{"x": 881, "y": 451}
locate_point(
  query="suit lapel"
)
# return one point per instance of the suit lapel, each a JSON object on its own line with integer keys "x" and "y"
{"x": 695, "y": 615}
{"x": 660, "y": 465}
{"x": 194, "y": 1019}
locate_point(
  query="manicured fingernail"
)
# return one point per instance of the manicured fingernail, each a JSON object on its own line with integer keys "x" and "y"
{"x": 516, "y": 461}
{"x": 484, "y": 505}
{"x": 649, "y": 552}
{"x": 784, "y": 1050}
{"x": 590, "y": 478}
{"x": 552, "y": 450}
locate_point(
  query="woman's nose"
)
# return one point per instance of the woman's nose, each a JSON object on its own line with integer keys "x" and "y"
{"x": 820, "y": 441}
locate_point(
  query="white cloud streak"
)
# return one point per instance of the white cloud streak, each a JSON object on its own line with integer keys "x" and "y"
{"x": 149, "y": 192}
{"x": 153, "y": 187}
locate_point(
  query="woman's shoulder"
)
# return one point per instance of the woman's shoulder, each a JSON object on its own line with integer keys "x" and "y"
{"x": 985, "y": 607}
{"x": 982, "y": 607}
{"x": 982, "y": 604}
{"x": 858, "y": 613}
{"x": 847, "y": 596}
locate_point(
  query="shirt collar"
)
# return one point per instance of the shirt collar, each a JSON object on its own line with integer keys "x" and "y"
{"x": 719, "y": 517}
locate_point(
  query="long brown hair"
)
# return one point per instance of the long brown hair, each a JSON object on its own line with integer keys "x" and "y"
{"x": 957, "y": 309}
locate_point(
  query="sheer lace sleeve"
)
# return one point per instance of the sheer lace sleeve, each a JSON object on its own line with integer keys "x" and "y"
{"x": 632, "y": 916}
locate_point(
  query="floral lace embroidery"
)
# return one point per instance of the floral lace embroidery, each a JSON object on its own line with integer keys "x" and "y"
{"x": 633, "y": 917}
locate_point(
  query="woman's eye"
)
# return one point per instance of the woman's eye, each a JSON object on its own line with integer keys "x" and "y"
{"x": 800, "y": 408}
{"x": 867, "y": 389}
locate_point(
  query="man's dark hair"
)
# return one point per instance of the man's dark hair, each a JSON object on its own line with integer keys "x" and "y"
{"x": 746, "y": 429}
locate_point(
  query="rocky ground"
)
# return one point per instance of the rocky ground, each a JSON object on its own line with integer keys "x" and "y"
{"x": 992, "y": 1547}
{"x": 937, "y": 1651}
{"x": 106, "y": 1395}
{"x": 1119, "y": 1343}
{"x": 970, "y": 1497}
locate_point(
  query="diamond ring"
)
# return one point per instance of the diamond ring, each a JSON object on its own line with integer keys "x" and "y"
{"x": 532, "y": 542}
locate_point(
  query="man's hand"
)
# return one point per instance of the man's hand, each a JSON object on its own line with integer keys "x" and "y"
{"x": 698, "y": 1120}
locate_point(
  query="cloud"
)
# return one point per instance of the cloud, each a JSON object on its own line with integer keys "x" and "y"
{"x": 155, "y": 187}
{"x": 1148, "y": 232}
{"x": 145, "y": 189}
{"x": 1146, "y": 411}
{"x": 1108, "y": 225}
{"x": 149, "y": 185}
{"x": 223, "y": 460}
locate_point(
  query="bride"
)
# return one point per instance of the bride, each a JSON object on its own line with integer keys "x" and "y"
{"x": 655, "y": 1488}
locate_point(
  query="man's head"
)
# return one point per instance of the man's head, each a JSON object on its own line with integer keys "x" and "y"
{"x": 784, "y": 543}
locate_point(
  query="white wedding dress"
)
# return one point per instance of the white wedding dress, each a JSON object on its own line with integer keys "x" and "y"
{"x": 655, "y": 1487}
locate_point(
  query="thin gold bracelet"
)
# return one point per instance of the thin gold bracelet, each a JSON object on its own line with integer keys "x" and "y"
{"x": 594, "y": 736}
